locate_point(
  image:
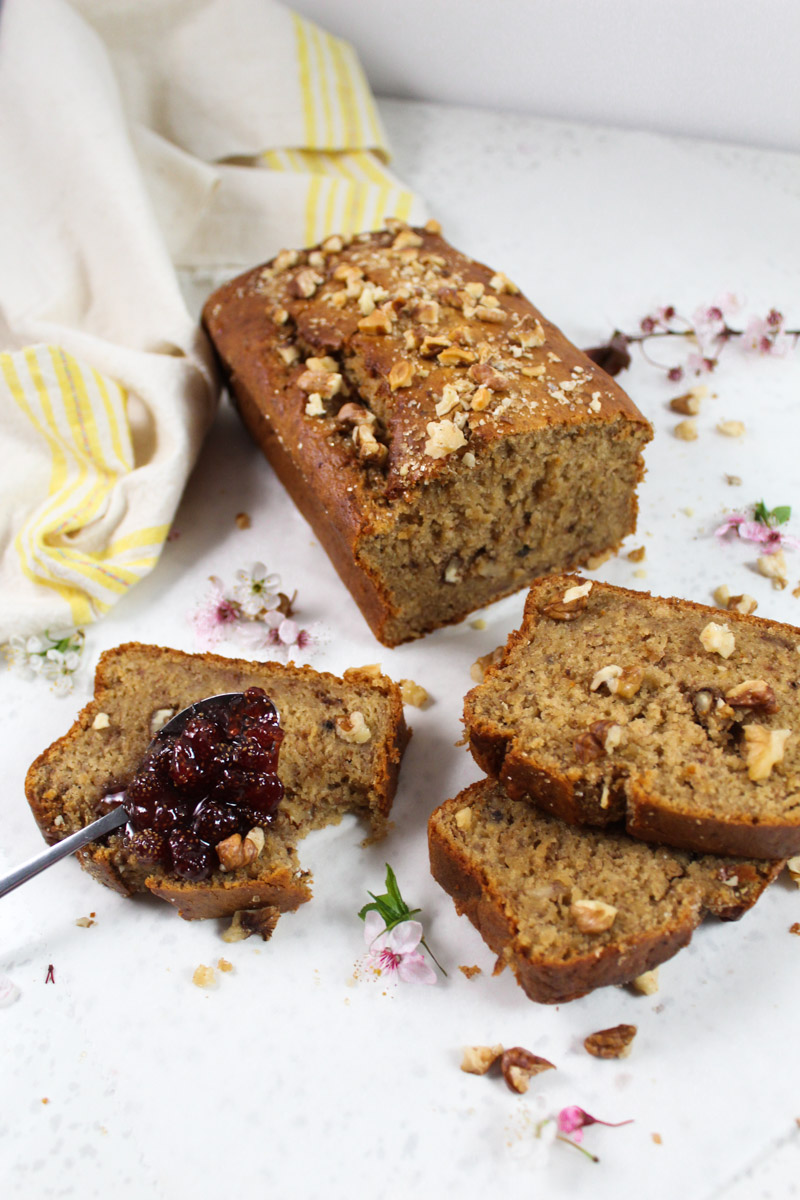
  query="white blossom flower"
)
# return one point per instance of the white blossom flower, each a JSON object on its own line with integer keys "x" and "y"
{"x": 256, "y": 591}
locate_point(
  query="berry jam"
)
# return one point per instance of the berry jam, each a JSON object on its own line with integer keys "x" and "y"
{"x": 200, "y": 785}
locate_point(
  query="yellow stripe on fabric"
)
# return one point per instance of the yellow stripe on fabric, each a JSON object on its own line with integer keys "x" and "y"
{"x": 403, "y": 206}
{"x": 306, "y": 89}
{"x": 85, "y": 445}
{"x": 321, "y": 75}
{"x": 124, "y": 453}
{"x": 363, "y": 99}
{"x": 372, "y": 170}
{"x": 351, "y": 115}
{"x": 117, "y": 579}
{"x": 153, "y": 535}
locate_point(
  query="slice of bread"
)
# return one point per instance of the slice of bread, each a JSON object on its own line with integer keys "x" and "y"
{"x": 610, "y": 705}
{"x": 572, "y": 909}
{"x": 324, "y": 775}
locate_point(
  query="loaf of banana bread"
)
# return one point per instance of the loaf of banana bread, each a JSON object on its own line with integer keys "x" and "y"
{"x": 572, "y": 909}
{"x": 444, "y": 440}
{"x": 340, "y": 752}
{"x": 610, "y": 705}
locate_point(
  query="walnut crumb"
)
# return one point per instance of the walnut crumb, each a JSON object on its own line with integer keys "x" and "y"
{"x": 314, "y": 406}
{"x": 764, "y": 749}
{"x": 646, "y": 983}
{"x": 476, "y": 1060}
{"x": 638, "y": 554}
{"x": 224, "y": 966}
{"x": 401, "y": 374}
{"x": 501, "y": 283}
{"x": 731, "y": 428}
{"x": 519, "y": 1066}
{"x": 464, "y": 819}
{"x": 686, "y": 431}
{"x": 159, "y": 718}
{"x": 774, "y": 567}
{"x": 593, "y": 916}
{"x": 470, "y": 972}
{"x": 688, "y": 404}
{"x": 101, "y": 721}
{"x": 793, "y": 867}
{"x": 579, "y": 592}
{"x": 204, "y": 977}
{"x": 718, "y": 639}
{"x": 353, "y": 728}
{"x": 611, "y": 1043}
{"x": 413, "y": 694}
{"x": 84, "y": 922}
{"x": 443, "y": 438}
{"x": 243, "y": 520}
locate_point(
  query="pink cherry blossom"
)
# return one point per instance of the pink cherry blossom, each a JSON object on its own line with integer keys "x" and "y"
{"x": 756, "y": 531}
{"x": 394, "y": 952}
{"x": 214, "y": 613}
{"x": 571, "y": 1120}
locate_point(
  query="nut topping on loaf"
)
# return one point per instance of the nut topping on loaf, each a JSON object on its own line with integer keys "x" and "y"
{"x": 630, "y": 711}
{"x": 486, "y": 438}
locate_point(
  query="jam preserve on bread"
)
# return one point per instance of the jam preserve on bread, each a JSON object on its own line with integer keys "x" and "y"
{"x": 214, "y": 779}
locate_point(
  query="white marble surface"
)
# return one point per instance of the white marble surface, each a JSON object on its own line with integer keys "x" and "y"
{"x": 288, "y": 1077}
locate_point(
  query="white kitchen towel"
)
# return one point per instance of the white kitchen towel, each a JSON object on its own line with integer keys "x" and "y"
{"x": 137, "y": 136}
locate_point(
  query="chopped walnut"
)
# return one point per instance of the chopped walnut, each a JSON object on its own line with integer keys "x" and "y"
{"x": 333, "y": 244}
{"x": 752, "y": 693}
{"x": 571, "y": 604}
{"x": 611, "y": 1043}
{"x": 487, "y": 376}
{"x": 101, "y": 721}
{"x": 688, "y": 404}
{"x": 355, "y": 414}
{"x": 367, "y": 445}
{"x": 413, "y": 694}
{"x": 742, "y": 603}
{"x": 405, "y": 239}
{"x": 501, "y": 283}
{"x": 629, "y": 682}
{"x": 252, "y": 920}
{"x": 305, "y": 283}
{"x": 431, "y": 346}
{"x": 427, "y": 312}
{"x": 464, "y": 819}
{"x": 519, "y": 1066}
{"x": 159, "y": 718}
{"x": 481, "y": 399}
{"x": 608, "y": 676}
{"x": 646, "y": 983}
{"x": 353, "y": 728}
{"x": 314, "y": 406}
{"x": 686, "y": 431}
{"x": 476, "y": 1060}
{"x": 380, "y": 321}
{"x": 764, "y": 748}
{"x": 731, "y": 428}
{"x": 494, "y": 315}
{"x": 236, "y": 852}
{"x": 204, "y": 977}
{"x": 284, "y": 260}
{"x": 593, "y": 916}
{"x": 324, "y": 383}
{"x": 443, "y": 438}
{"x": 793, "y": 867}
{"x": 774, "y": 567}
{"x": 280, "y": 316}
{"x": 718, "y": 639}
{"x": 456, "y": 356}
{"x": 450, "y": 400}
{"x": 401, "y": 375}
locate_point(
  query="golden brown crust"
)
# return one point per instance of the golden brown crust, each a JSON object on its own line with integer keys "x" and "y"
{"x": 633, "y": 796}
{"x": 443, "y": 322}
{"x": 69, "y": 778}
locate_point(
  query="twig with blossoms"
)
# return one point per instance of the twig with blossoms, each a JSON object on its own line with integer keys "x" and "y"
{"x": 761, "y": 526}
{"x": 565, "y": 1126}
{"x": 708, "y": 330}
{"x": 393, "y": 938}
{"x": 256, "y": 611}
{"x": 54, "y": 657}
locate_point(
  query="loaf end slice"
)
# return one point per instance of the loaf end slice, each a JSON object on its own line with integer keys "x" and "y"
{"x": 680, "y": 720}
{"x": 445, "y": 441}
{"x": 324, "y": 776}
{"x": 570, "y": 909}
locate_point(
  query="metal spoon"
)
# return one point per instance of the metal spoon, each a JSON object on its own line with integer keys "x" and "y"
{"x": 119, "y": 815}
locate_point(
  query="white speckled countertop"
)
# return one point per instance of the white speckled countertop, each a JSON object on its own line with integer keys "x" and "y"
{"x": 288, "y": 1077}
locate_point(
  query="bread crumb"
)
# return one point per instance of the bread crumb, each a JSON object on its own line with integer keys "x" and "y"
{"x": 596, "y": 560}
{"x": 793, "y": 867}
{"x": 464, "y": 819}
{"x": 224, "y": 965}
{"x": 204, "y": 977}
{"x": 478, "y": 623}
{"x": 733, "y": 480}
{"x": 795, "y": 928}
{"x": 84, "y": 922}
{"x": 731, "y": 428}
{"x": 686, "y": 431}
{"x": 243, "y": 520}
{"x": 413, "y": 694}
{"x": 688, "y": 404}
{"x": 722, "y": 595}
{"x": 637, "y": 555}
{"x": 476, "y": 1060}
{"x": 640, "y": 573}
{"x": 470, "y": 972}
{"x": 101, "y": 721}
{"x": 656, "y": 1138}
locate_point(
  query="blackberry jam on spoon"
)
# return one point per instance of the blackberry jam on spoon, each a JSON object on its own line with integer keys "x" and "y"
{"x": 207, "y": 775}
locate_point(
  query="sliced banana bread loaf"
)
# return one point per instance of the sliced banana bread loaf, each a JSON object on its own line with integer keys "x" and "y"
{"x": 332, "y": 760}
{"x": 611, "y": 705}
{"x": 572, "y": 909}
{"x": 444, "y": 440}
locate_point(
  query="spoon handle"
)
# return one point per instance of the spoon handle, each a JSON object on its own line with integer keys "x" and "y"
{"x": 90, "y": 833}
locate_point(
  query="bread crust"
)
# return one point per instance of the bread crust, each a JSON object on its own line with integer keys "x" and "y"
{"x": 631, "y": 799}
{"x": 349, "y": 504}
{"x": 280, "y": 883}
